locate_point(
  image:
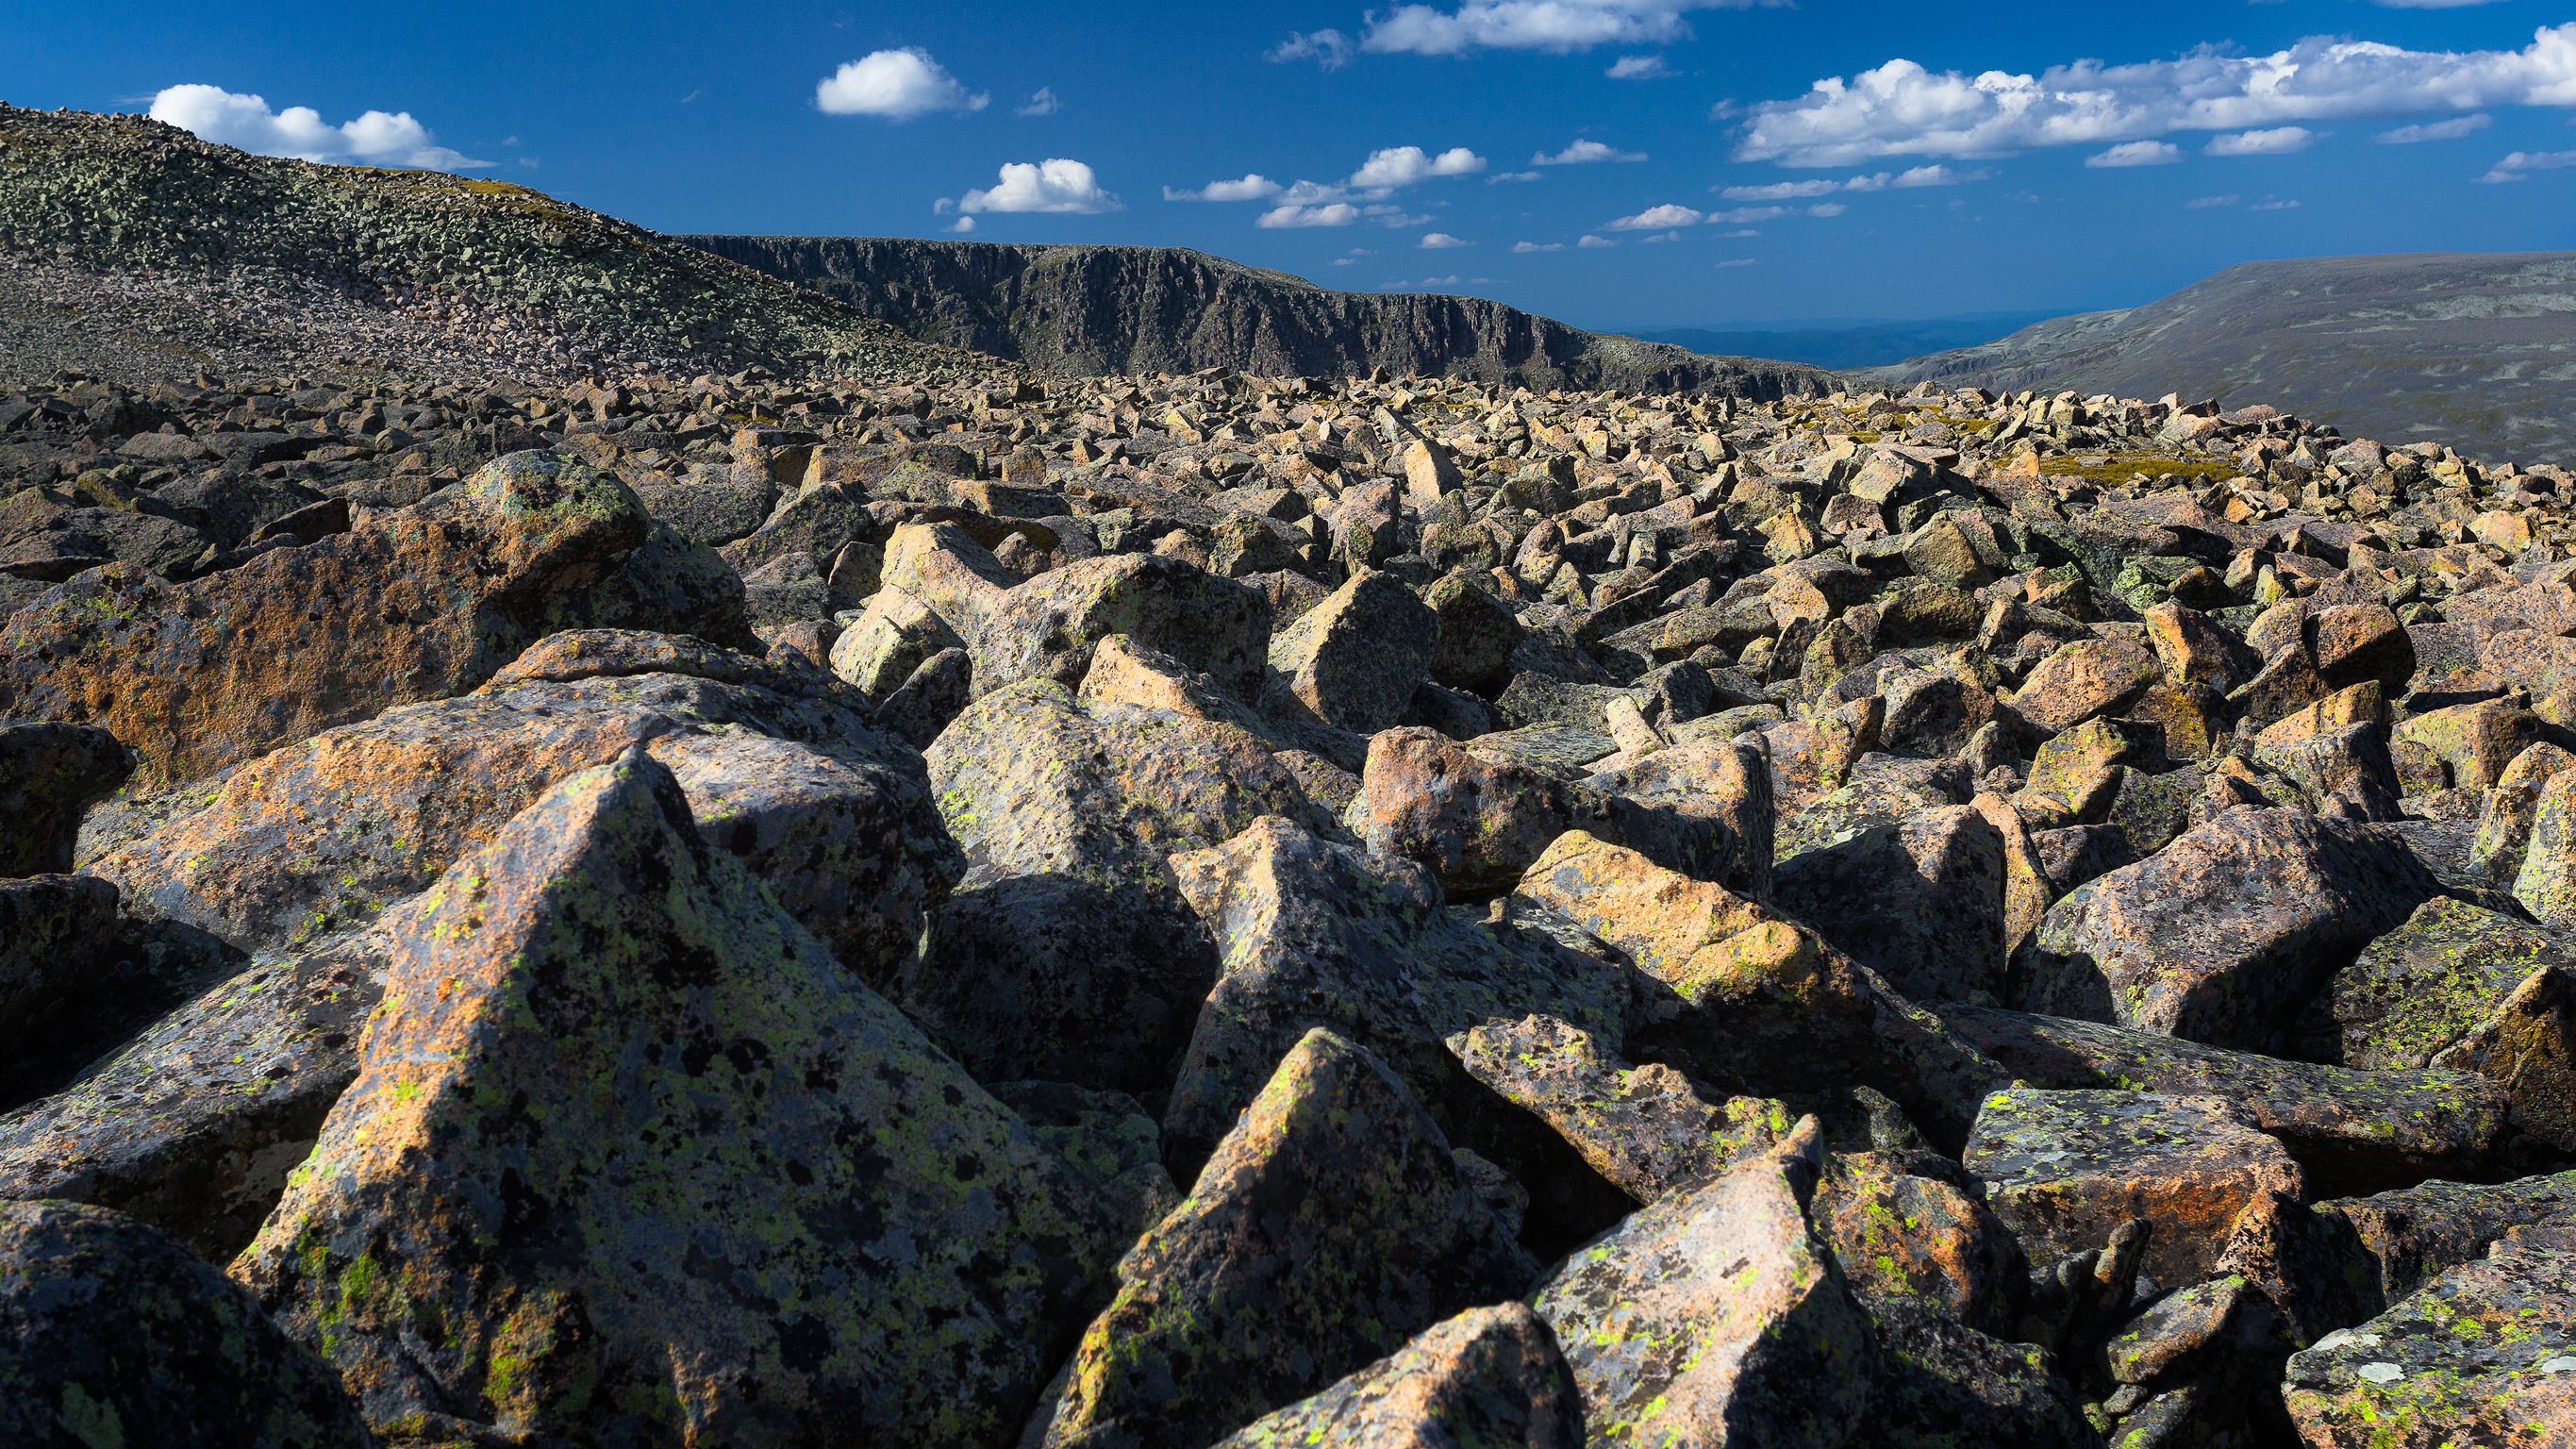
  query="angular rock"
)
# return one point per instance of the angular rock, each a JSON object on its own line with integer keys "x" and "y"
{"x": 1490, "y": 1377}
{"x": 1331, "y": 1225}
{"x": 50, "y": 775}
{"x": 2484, "y": 1354}
{"x": 1713, "y": 1317}
{"x": 2063, "y": 1169}
{"x": 602, "y": 1130}
{"x": 1354, "y": 660}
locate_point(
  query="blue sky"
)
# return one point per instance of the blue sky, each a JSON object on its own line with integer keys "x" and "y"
{"x": 1829, "y": 158}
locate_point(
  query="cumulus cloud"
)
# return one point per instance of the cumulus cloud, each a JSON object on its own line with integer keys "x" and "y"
{"x": 2276, "y": 141}
{"x": 1055, "y": 185}
{"x": 1590, "y": 243}
{"x": 1743, "y": 214}
{"x": 1827, "y": 208}
{"x": 895, "y": 85}
{"x": 2455, "y": 129}
{"x": 1656, "y": 218}
{"x": 1585, "y": 153}
{"x": 376, "y": 138}
{"x": 1330, "y": 49}
{"x": 1253, "y": 187}
{"x": 1041, "y": 102}
{"x": 2521, "y": 164}
{"x": 1638, "y": 67}
{"x": 2137, "y": 153}
{"x": 1556, "y": 25}
{"x": 1441, "y": 241}
{"x": 1902, "y": 109}
{"x": 1339, "y": 213}
{"x": 1523, "y": 248}
{"x": 1907, "y": 180}
{"x": 1397, "y": 166}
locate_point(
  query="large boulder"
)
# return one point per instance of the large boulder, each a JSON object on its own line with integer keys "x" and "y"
{"x": 2223, "y": 935}
{"x": 650, "y": 1158}
{"x": 409, "y": 604}
{"x": 112, "y": 1334}
{"x": 1354, "y": 660}
{"x": 1332, "y": 1224}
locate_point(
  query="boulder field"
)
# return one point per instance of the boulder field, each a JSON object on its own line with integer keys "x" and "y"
{"x": 1159, "y": 912}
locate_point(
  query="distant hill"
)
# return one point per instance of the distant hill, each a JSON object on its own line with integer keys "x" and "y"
{"x": 1111, "y": 309}
{"x": 1869, "y": 344}
{"x": 2475, "y": 350}
{"x": 133, "y": 249}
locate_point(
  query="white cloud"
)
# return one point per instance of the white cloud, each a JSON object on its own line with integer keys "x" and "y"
{"x": 1557, "y": 25}
{"x": 1397, "y": 166}
{"x": 2458, "y": 128}
{"x": 962, "y": 225}
{"x": 1638, "y": 67}
{"x": 1054, "y": 185}
{"x": 1500, "y": 177}
{"x": 1907, "y": 180}
{"x": 2137, "y": 153}
{"x": 1584, "y": 153}
{"x": 1523, "y": 248}
{"x": 1330, "y": 49}
{"x": 1253, "y": 187}
{"x": 2522, "y": 163}
{"x": 1661, "y": 236}
{"x": 896, "y": 85}
{"x": 1339, "y": 213}
{"x": 2274, "y": 206}
{"x": 1441, "y": 241}
{"x": 1742, "y": 214}
{"x": 1590, "y": 243}
{"x": 1901, "y": 108}
{"x": 2277, "y": 141}
{"x": 1656, "y": 218}
{"x": 1740, "y": 262}
{"x": 1394, "y": 216}
{"x": 1827, "y": 208}
{"x": 376, "y": 138}
{"x": 1041, "y": 102}
{"x": 2204, "y": 203}
{"x": 1739, "y": 234}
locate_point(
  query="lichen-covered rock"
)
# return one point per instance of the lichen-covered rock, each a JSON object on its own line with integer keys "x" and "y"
{"x": 1048, "y": 626}
{"x": 2063, "y": 1169}
{"x": 2353, "y": 1131}
{"x": 50, "y": 775}
{"x": 2431, "y": 981}
{"x": 1746, "y": 998}
{"x": 652, "y": 1159}
{"x": 194, "y": 1124}
{"x": 1712, "y": 1317}
{"x": 2414, "y": 1234}
{"x": 1311, "y": 934}
{"x": 1331, "y": 1225}
{"x": 2082, "y": 679}
{"x": 1491, "y": 1378}
{"x": 1941, "y": 1384}
{"x": 1905, "y": 1238}
{"x": 1068, "y": 952}
{"x": 1354, "y": 660}
{"x": 1921, "y": 902}
{"x": 2484, "y": 1354}
{"x": 2224, "y": 934}
{"x": 410, "y": 604}
{"x": 322, "y": 835}
{"x": 112, "y": 1334}
{"x": 1646, "y": 1130}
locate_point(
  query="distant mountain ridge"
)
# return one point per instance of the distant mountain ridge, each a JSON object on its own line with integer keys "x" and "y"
{"x": 2477, "y": 350}
{"x": 1846, "y": 345}
{"x": 1098, "y": 310}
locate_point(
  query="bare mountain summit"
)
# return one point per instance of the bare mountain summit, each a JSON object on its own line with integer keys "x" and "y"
{"x": 2478, "y": 351}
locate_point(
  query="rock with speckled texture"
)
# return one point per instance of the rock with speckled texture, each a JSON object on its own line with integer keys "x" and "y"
{"x": 651, "y": 1157}
{"x": 1331, "y": 1225}
{"x": 50, "y": 775}
{"x": 1713, "y": 1317}
{"x": 112, "y": 1334}
{"x": 1490, "y": 1378}
{"x": 1354, "y": 660}
{"x": 2484, "y": 1354}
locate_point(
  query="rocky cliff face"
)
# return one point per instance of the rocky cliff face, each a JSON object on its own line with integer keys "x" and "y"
{"x": 1101, "y": 310}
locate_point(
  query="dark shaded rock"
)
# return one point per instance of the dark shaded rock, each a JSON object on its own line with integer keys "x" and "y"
{"x": 111, "y": 1333}
{"x": 1490, "y": 1377}
{"x": 1354, "y": 661}
{"x": 50, "y": 775}
{"x": 2484, "y": 1354}
{"x": 1921, "y": 903}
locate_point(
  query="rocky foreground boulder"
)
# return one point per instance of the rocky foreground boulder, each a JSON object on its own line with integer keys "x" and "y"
{"x": 1177, "y": 911}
